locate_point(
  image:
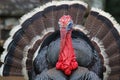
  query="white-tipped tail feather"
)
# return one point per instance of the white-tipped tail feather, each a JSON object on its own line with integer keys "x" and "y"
{"x": 7, "y": 42}
{"x": 1, "y": 70}
{"x": 15, "y": 29}
{"x": 5, "y": 46}
{"x": 105, "y": 57}
{"x": 81, "y": 28}
{"x": 25, "y": 52}
{"x": 2, "y": 57}
{"x": 53, "y": 3}
{"x": 108, "y": 16}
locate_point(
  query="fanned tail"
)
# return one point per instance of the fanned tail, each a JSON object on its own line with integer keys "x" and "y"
{"x": 36, "y": 30}
{"x": 105, "y": 32}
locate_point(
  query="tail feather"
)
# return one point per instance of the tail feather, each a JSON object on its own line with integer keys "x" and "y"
{"x": 90, "y": 25}
{"x": 13, "y": 62}
{"x": 113, "y": 48}
{"x": 114, "y": 59}
{"x": 107, "y": 39}
{"x": 79, "y": 11}
{"x": 7, "y": 70}
{"x": 7, "y": 42}
{"x": 17, "y": 53}
{"x": 104, "y": 31}
{"x": 115, "y": 70}
{"x": 114, "y": 77}
{"x": 108, "y": 17}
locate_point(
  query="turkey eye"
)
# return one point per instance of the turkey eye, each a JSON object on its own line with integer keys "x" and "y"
{"x": 70, "y": 24}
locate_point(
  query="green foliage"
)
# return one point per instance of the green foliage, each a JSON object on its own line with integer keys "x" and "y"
{"x": 113, "y": 7}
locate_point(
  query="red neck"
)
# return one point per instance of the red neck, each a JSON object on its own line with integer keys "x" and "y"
{"x": 67, "y": 60}
{"x": 63, "y": 35}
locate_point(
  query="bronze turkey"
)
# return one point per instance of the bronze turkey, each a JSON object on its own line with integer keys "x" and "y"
{"x": 63, "y": 40}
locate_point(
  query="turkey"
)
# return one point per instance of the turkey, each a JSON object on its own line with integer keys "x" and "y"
{"x": 63, "y": 40}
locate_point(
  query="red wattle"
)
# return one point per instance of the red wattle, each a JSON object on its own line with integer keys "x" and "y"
{"x": 67, "y": 60}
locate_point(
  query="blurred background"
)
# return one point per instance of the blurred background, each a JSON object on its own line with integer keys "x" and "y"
{"x": 12, "y": 10}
